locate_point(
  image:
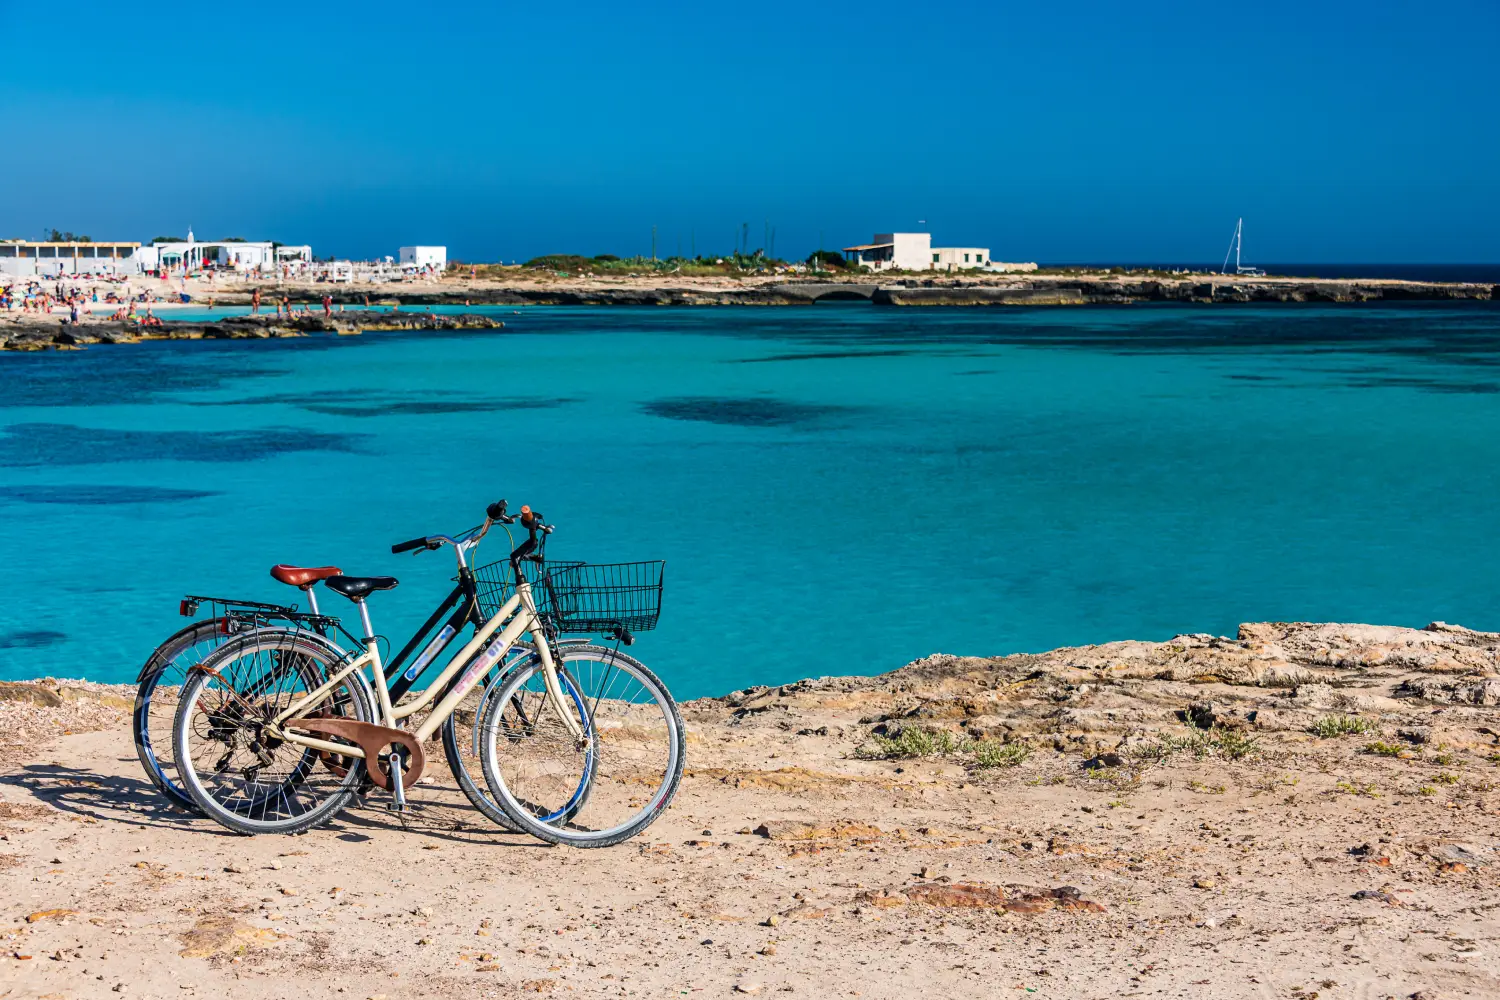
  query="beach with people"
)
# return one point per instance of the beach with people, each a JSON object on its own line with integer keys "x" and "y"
{"x": 29, "y": 307}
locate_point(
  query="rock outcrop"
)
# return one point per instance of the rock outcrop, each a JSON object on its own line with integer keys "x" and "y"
{"x": 43, "y": 333}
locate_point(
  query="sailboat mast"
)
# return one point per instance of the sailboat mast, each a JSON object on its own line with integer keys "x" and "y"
{"x": 1239, "y": 233}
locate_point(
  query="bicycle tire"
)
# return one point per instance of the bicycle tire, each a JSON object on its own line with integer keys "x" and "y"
{"x": 563, "y": 826}
{"x": 161, "y": 768}
{"x": 241, "y": 817}
{"x": 479, "y": 796}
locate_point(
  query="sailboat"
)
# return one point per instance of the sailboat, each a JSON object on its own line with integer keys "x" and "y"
{"x": 1234, "y": 248}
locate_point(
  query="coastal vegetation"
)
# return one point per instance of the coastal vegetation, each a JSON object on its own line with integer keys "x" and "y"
{"x": 920, "y": 742}
{"x": 1332, "y": 726}
{"x": 567, "y": 265}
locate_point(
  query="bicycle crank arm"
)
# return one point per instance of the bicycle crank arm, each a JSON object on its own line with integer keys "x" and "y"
{"x": 370, "y": 738}
{"x": 398, "y": 789}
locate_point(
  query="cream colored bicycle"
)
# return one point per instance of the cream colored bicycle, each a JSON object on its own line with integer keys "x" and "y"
{"x": 579, "y": 743}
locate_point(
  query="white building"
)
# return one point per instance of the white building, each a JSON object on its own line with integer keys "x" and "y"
{"x": 915, "y": 252}
{"x": 419, "y": 257}
{"x": 228, "y": 255}
{"x": 27, "y": 259}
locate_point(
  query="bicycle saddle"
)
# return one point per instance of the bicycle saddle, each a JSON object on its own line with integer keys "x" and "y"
{"x": 301, "y": 576}
{"x": 356, "y": 587}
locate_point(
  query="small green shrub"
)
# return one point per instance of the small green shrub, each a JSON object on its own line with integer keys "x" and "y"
{"x": 1231, "y": 744}
{"x": 1366, "y": 789}
{"x": 993, "y": 753}
{"x": 912, "y": 742}
{"x": 1384, "y": 749}
{"x": 1331, "y": 726}
{"x": 1228, "y": 744}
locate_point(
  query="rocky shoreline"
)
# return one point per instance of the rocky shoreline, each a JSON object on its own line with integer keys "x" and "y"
{"x": 1298, "y": 809}
{"x": 43, "y": 333}
{"x": 1029, "y": 291}
{"x": 380, "y": 307}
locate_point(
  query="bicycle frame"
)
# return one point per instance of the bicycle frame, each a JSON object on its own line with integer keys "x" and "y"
{"x": 517, "y": 616}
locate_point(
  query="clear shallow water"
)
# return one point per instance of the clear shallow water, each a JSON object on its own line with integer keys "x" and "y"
{"x": 836, "y": 489}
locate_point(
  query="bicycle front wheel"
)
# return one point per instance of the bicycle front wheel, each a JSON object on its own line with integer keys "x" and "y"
{"x": 461, "y": 742}
{"x": 591, "y": 792}
{"x": 236, "y": 767}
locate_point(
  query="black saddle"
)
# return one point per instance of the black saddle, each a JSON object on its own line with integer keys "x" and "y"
{"x": 356, "y": 587}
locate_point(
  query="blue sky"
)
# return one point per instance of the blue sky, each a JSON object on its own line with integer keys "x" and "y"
{"x": 1340, "y": 131}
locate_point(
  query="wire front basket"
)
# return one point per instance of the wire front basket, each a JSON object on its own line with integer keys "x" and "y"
{"x": 604, "y": 597}
{"x": 580, "y": 597}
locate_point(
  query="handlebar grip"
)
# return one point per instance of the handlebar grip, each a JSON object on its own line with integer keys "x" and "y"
{"x": 533, "y": 519}
{"x": 495, "y": 511}
{"x": 415, "y": 543}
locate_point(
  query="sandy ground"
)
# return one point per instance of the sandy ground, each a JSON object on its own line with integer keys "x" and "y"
{"x": 1131, "y": 853}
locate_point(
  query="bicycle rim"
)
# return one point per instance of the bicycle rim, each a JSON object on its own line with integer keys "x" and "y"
{"x": 592, "y": 792}
{"x": 461, "y": 745}
{"x": 240, "y": 774}
{"x": 156, "y": 698}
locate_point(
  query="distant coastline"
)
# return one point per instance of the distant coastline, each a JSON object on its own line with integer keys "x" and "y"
{"x": 399, "y": 305}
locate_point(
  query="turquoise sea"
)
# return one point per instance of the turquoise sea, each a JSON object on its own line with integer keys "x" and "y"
{"x": 836, "y": 489}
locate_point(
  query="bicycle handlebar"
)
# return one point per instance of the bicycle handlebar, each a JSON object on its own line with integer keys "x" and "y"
{"x": 497, "y": 511}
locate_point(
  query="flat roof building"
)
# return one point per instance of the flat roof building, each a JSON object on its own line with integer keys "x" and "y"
{"x": 914, "y": 252}
{"x": 229, "y": 255}
{"x": 46, "y": 259}
{"x": 435, "y": 257}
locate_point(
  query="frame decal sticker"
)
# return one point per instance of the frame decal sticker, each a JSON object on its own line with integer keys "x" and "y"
{"x": 430, "y": 653}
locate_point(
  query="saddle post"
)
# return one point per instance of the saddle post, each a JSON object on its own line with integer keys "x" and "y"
{"x": 364, "y": 619}
{"x": 312, "y": 598}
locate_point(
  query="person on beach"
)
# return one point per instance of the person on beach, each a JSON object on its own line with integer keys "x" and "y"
{"x": 255, "y": 302}
{"x": 286, "y": 304}
{"x": 327, "y": 304}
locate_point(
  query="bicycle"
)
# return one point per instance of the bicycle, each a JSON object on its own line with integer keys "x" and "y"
{"x": 277, "y": 733}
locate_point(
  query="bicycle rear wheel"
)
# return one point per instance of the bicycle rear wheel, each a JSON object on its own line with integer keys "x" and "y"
{"x": 236, "y": 770}
{"x": 156, "y": 697}
{"x": 593, "y": 792}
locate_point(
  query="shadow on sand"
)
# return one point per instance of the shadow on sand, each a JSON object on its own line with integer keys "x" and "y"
{"x": 135, "y": 802}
